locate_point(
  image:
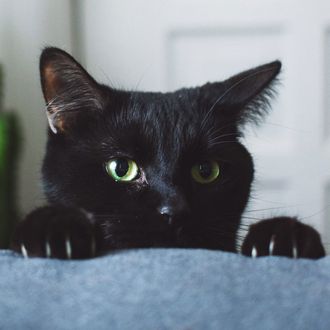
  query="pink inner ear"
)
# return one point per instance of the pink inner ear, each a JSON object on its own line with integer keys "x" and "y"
{"x": 50, "y": 83}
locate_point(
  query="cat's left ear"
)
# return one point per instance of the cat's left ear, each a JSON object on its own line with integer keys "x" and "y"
{"x": 67, "y": 88}
{"x": 246, "y": 95}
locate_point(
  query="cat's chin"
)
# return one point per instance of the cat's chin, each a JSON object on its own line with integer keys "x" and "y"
{"x": 152, "y": 231}
{"x": 173, "y": 237}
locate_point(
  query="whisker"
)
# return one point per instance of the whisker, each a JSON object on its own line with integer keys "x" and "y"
{"x": 314, "y": 214}
{"x": 252, "y": 218}
{"x": 212, "y": 139}
{"x": 269, "y": 209}
{"x": 221, "y": 142}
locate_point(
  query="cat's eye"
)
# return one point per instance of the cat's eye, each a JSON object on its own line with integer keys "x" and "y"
{"x": 206, "y": 171}
{"x": 122, "y": 169}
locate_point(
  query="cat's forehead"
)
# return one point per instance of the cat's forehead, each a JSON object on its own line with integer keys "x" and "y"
{"x": 159, "y": 112}
{"x": 161, "y": 126}
{"x": 158, "y": 122}
{"x": 181, "y": 104}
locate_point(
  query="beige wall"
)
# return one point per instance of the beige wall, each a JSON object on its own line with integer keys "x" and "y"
{"x": 25, "y": 28}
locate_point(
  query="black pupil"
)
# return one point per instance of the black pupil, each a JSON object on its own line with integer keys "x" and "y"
{"x": 205, "y": 169}
{"x": 122, "y": 167}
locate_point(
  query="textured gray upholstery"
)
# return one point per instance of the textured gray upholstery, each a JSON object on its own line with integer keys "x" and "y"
{"x": 164, "y": 289}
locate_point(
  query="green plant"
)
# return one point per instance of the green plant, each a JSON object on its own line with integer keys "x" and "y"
{"x": 9, "y": 142}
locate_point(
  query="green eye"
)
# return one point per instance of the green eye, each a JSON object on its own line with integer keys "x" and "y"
{"x": 205, "y": 172}
{"x": 122, "y": 169}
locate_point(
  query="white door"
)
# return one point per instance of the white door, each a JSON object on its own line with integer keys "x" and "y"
{"x": 164, "y": 45}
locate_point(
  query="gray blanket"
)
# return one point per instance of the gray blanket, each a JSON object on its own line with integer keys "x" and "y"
{"x": 164, "y": 289}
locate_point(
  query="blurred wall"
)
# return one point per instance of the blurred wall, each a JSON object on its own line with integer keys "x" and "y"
{"x": 25, "y": 28}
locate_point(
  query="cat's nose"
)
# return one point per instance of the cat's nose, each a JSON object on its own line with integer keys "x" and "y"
{"x": 171, "y": 210}
{"x": 167, "y": 212}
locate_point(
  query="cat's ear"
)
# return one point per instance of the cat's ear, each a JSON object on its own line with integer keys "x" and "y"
{"x": 67, "y": 88}
{"x": 245, "y": 96}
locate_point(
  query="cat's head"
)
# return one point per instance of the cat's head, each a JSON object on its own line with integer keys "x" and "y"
{"x": 159, "y": 169}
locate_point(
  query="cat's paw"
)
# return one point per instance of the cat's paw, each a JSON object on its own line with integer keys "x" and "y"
{"x": 56, "y": 232}
{"x": 283, "y": 237}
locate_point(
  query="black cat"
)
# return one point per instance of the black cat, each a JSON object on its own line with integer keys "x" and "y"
{"x": 134, "y": 169}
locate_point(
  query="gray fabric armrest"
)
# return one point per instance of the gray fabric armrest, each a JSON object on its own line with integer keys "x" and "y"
{"x": 164, "y": 289}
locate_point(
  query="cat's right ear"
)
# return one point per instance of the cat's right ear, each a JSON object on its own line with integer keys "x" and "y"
{"x": 67, "y": 88}
{"x": 245, "y": 96}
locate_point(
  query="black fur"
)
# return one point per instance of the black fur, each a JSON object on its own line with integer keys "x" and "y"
{"x": 165, "y": 134}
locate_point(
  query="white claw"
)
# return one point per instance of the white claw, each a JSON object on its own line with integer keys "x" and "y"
{"x": 24, "y": 251}
{"x": 294, "y": 250}
{"x": 271, "y": 245}
{"x": 68, "y": 248}
{"x": 254, "y": 252}
{"x": 48, "y": 250}
{"x": 93, "y": 247}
